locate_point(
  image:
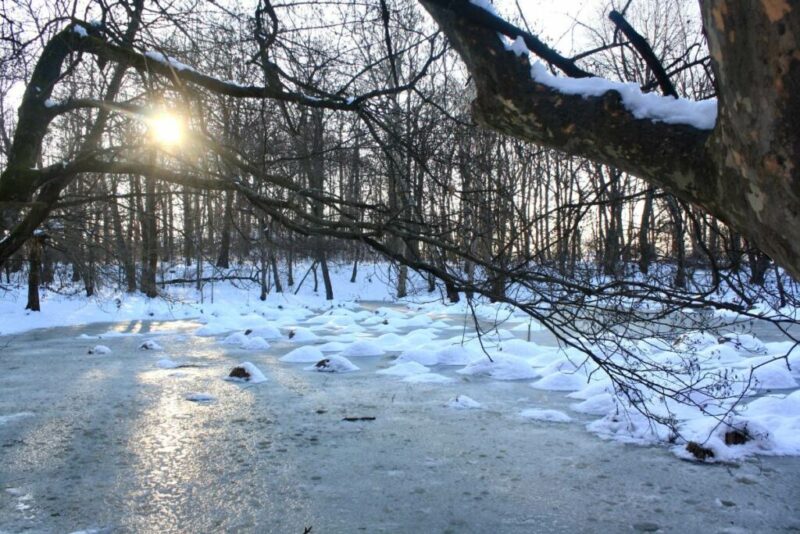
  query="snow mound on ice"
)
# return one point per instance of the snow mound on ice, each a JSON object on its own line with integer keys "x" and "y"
{"x": 300, "y": 334}
{"x": 428, "y": 378}
{"x": 363, "y": 348}
{"x": 404, "y": 369}
{"x": 256, "y": 376}
{"x": 501, "y": 367}
{"x": 333, "y": 364}
{"x": 306, "y": 354}
{"x": 462, "y": 402}
{"x": 150, "y": 345}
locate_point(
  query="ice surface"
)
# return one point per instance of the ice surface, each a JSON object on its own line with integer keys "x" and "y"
{"x": 200, "y": 397}
{"x": 540, "y": 414}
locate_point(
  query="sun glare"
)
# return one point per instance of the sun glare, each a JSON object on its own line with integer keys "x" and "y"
{"x": 166, "y": 129}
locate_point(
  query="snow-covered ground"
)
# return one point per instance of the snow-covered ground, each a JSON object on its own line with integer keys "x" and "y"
{"x": 159, "y": 389}
{"x": 424, "y": 336}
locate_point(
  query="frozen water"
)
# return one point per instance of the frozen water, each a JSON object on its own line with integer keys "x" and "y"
{"x": 117, "y": 430}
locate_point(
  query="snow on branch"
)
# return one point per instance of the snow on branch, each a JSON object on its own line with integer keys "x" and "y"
{"x": 699, "y": 114}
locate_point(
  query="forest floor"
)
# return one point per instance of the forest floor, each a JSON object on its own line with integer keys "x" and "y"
{"x": 100, "y": 434}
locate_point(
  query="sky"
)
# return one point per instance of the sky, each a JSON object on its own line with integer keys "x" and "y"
{"x": 554, "y": 19}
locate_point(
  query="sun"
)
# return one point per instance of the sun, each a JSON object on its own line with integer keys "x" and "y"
{"x": 166, "y": 129}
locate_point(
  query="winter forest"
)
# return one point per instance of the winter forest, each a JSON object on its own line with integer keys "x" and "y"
{"x": 399, "y": 266}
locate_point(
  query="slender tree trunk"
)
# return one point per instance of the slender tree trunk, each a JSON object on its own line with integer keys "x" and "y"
{"x": 354, "y": 274}
{"x": 645, "y": 248}
{"x": 149, "y": 241}
{"x": 128, "y": 264}
{"x": 678, "y": 240}
{"x": 275, "y": 275}
{"x": 34, "y": 274}
{"x": 326, "y": 277}
{"x": 759, "y": 264}
{"x": 223, "y": 260}
{"x": 290, "y": 267}
{"x": 263, "y": 277}
{"x": 188, "y": 234}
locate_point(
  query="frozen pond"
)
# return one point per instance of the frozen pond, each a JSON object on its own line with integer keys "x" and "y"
{"x": 109, "y": 442}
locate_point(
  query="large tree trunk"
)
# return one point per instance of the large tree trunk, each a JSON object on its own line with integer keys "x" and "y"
{"x": 745, "y": 171}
